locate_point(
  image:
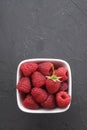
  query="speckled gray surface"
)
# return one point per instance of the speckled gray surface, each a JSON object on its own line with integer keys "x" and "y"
{"x": 43, "y": 28}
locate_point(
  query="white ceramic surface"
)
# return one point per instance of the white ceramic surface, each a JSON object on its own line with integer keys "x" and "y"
{"x": 55, "y": 61}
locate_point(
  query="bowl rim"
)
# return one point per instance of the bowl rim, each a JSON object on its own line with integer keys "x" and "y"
{"x": 56, "y": 110}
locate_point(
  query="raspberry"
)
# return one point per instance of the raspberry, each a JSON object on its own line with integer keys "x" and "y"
{"x": 38, "y": 79}
{"x": 39, "y": 94}
{"x": 62, "y": 99}
{"x": 62, "y": 72}
{"x": 45, "y": 68}
{"x": 28, "y": 68}
{"x": 49, "y": 103}
{"x": 29, "y": 102}
{"x": 24, "y": 85}
{"x": 52, "y": 86}
{"x": 63, "y": 87}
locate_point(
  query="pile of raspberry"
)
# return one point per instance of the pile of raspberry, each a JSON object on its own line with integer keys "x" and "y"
{"x": 43, "y": 85}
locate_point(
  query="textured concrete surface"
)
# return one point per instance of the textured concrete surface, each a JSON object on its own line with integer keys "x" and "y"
{"x": 43, "y": 28}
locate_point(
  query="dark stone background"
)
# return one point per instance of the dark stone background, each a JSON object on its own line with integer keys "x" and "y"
{"x": 43, "y": 28}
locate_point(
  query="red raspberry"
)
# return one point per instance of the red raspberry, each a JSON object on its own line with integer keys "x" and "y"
{"x": 38, "y": 79}
{"x": 52, "y": 86}
{"x": 39, "y": 94}
{"x": 29, "y": 102}
{"x": 24, "y": 85}
{"x": 64, "y": 86}
{"x": 45, "y": 68}
{"x": 63, "y": 99}
{"x": 62, "y": 72}
{"x": 28, "y": 68}
{"x": 49, "y": 103}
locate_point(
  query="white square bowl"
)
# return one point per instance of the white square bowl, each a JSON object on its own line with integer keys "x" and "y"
{"x": 37, "y": 60}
